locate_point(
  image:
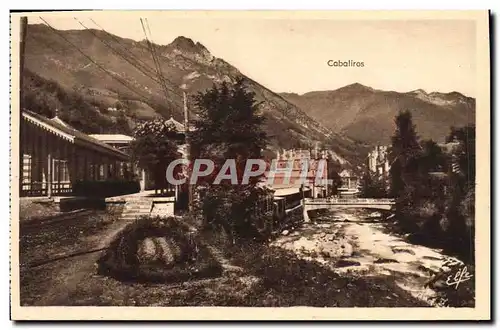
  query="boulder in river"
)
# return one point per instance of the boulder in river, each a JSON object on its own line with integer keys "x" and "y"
{"x": 304, "y": 244}
{"x": 402, "y": 250}
{"x": 347, "y": 263}
{"x": 347, "y": 250}
{"x": 385, "y": 261}
{"x": 285, "y": 232}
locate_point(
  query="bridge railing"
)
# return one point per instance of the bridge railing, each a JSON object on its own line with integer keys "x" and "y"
{"x": 349, "y": 201}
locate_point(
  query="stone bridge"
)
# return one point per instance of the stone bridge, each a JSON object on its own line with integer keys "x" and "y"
{"x": 335, "y": 203}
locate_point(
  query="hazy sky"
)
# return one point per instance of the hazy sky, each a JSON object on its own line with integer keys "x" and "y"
{"x": 289, "y": 55}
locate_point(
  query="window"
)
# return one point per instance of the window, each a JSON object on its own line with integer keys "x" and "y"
{"x": 60, "y": 172}
{"x": 285, "y": 165}
{"x": 26, "y": 171}
{"x": 101, "y": 171}
{"x": 91, "y": 172}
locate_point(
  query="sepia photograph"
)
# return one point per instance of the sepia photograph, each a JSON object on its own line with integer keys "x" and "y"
{"x": 234, "y": 163}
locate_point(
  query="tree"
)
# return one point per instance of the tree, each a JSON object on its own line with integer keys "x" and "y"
{"x": 460, "y": 208}
{"x": 154, "y": 148}
{"x": 410, "y": 184}
{"x": 466, "y": 151}
{"x": 229, "y": 127}
{"x": 405, "y": 151}
{"x": 334, "y": 177}
{"x": 372, "y": 187}
{"x": 432, "y": 158}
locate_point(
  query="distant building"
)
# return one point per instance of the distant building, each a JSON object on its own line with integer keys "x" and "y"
{"x": 451, "y": 149}
{"x": 118, "y": 141}
{"x": 349, "y": 187}
{"x": 288, "y": 170}
{"x": 179, "y": 127}
{"x": 378, "y": 161}
{"x": 122, "y": 143}
{"x": 55, "y": 156}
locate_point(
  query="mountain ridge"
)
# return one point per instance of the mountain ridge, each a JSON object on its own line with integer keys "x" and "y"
{"x": 366, "y": 114}
{"x": 361, "y": 86}
{"x": 184, "y": 62}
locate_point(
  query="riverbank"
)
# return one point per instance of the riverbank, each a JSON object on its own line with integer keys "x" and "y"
{"x": 358, "y": 243}
{"x": 255, "y": 275}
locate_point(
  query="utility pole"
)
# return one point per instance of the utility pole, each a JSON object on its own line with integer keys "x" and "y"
{"x": 188, "y": 151}
{"x": 22, "y": 46}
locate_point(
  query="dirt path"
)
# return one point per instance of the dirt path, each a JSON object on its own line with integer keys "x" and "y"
{"x": 62, "y": 267}
{"x": 65, "y": 256}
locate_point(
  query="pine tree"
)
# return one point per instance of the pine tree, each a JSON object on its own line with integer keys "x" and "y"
{"x": 229, "y": 127}
{"x": 372, "y": 187}
{"x": 407, "y": 181}
{"x": 366, "y": 185}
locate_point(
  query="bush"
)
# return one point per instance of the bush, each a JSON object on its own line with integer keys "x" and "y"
{"x": 105, "y": 188}
{"x": 123, "y": 262}
{"x": 70, "y": 204}
{"x": 236, "y": 211}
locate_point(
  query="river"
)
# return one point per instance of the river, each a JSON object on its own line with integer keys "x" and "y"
{"x": 357, "y": 242}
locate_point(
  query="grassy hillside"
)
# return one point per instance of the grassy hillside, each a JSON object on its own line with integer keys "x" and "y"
{"x": 131, "y": 85}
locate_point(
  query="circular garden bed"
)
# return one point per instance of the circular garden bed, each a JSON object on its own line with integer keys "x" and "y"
{"x": 158, "y": 250}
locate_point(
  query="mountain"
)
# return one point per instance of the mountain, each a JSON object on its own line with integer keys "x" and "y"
{"x": 113, "y": 85}
{"x": 367, "y": 115}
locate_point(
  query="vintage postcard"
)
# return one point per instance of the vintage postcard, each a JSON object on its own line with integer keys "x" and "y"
{"x": 202, "y": 165}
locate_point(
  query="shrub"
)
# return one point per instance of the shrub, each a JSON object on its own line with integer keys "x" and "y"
{"x": 236, "y": 211}
{"x": 105, "y": 188}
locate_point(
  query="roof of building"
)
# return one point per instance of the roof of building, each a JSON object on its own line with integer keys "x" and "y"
{"x": 439, "y": 175}
{"x": 178, "y": 126}
{"x": 61, "y": 129}
{"x": 58, "y": 120}
{"x": 449, "y": 146}
{"x": 345, "y": 173}
{"x": 112, "y": 138}
{"x": 284, "y": 190}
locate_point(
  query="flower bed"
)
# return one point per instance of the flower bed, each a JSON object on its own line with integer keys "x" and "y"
{"x": 158, "y": 250}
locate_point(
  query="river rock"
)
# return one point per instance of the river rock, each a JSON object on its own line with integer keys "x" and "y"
{"x": 285, "y": 232}
{"x": 323, "y": 234}
{"x": 346, "y": 249}
{"x": 303, "y": 243}
{"x": 329, "y": 249}
{"x": 402, "y": 250}
{"x": 347, "y": 263}
{"x": 385, "y": 261}
{"x": 330, "y": 237}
